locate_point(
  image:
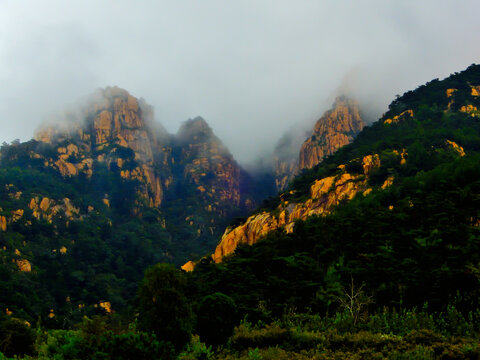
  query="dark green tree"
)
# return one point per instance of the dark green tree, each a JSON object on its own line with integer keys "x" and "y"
{"x": 217, "y": 316}
{"x": 16, "y": 338}
{"x": 163, "y": 306}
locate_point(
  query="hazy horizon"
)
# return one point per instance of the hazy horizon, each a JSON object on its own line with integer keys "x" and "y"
{"x": 251, "y": 69}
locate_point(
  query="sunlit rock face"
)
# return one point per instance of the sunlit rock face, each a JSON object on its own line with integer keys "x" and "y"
{"x": 336, "y": 128}
{"x": 117, "y": 130}
{"x": 110, "y": 116}
{"x": 325, "y": 194}
{"x": 303, "y": 150}
{"x": 113, "y": 127}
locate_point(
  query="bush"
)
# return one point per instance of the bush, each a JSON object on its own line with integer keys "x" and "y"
{"x": 134, "y": 345}
{"x": 164, "y": 308}
{"x": 271, "y": 335}
{"x": 216, "y": 318}
{"x": 197, "y": 350}
{"x": 16, "y": 338}
{"x": 95, "y": 341}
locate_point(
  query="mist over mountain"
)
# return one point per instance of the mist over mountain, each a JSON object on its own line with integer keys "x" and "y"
{"x": 242, "y": 66}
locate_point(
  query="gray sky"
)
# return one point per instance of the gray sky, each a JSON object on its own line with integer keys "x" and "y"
{"x": 252, "y": 69}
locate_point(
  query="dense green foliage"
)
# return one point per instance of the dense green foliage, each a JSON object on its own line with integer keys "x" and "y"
{"x": 387, "y": 334}
{"x": 163, "y": 306}
{"x": 216, "y": 318}
{"x": 106, "y": 249}
{"x": 16, "y": 337}
{"x": 421, "y": 250}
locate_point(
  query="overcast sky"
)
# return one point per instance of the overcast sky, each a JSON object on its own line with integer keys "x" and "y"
{"x": 252, "y": 69}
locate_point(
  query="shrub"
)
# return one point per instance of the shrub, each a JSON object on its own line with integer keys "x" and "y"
{"x": 131, "y": 345}
{"x": 197, "y": 350}
{"x": 16, "y": 338}
{"x": 216, "y": 318}
{"x": 271, "y": 335}
{"x": 164, "y": 308}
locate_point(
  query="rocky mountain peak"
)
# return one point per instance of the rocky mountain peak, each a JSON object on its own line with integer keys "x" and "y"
{"x": 111, "y": 127}
{"x": 107, "y": 117}
{"x": 114, "y": 129}
{"x": 195, "y": 130}
{"x": 336, "y": 128}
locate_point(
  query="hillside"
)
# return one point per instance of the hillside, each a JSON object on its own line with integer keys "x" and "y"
{"x": 298, "y": 151}
{"x": 102, "y": 193}
{"x": 396, "y": 210}
{"x": 424, "y": 128}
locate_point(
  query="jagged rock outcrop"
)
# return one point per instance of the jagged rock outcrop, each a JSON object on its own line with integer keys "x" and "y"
{"x": 325, "y": 194}
{"x": 118, "y": 130}
{"x": 24, "y": 265}
{"x": 336, "y": 128}
{"x": 112, "y": 120}
{"x": 208, "y": 164}
{"x": 110, "y": 116}
{"x": 299, "y": 150}
{"x": 47, "y": 209}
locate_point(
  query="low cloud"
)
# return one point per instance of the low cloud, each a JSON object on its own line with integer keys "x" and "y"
{"x": 252, "y": 69}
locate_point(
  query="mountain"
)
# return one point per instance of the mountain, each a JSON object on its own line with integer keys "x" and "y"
{"x": 350, "y": 171}
{"x": 392, "y": 217}
{"x": 208, "y": 164}
{"x": 103, "y": 192}
{"x": 336, "y": 128}
{"x": 116, "y": 129}
{"x": 374, "y": 252}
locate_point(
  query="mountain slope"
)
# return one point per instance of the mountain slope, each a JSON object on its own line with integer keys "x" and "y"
{"x": 395, "y": 213}
{"x": 100, "y": 195}
{"x": 433, "y": 122}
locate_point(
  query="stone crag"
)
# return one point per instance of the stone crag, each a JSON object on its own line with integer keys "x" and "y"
{"x": 111, "y": 122}
{"x": 336, "y": 128}
{"x": 208, "y": 164}
{"x": 118, "y": 130}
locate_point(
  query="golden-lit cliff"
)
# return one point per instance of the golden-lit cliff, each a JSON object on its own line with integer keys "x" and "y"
{"x": 116, "y": 129}
{"x": 111, "y": 122}
{"x": 325, "y": 194}
{"x": 336, "y": 128}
